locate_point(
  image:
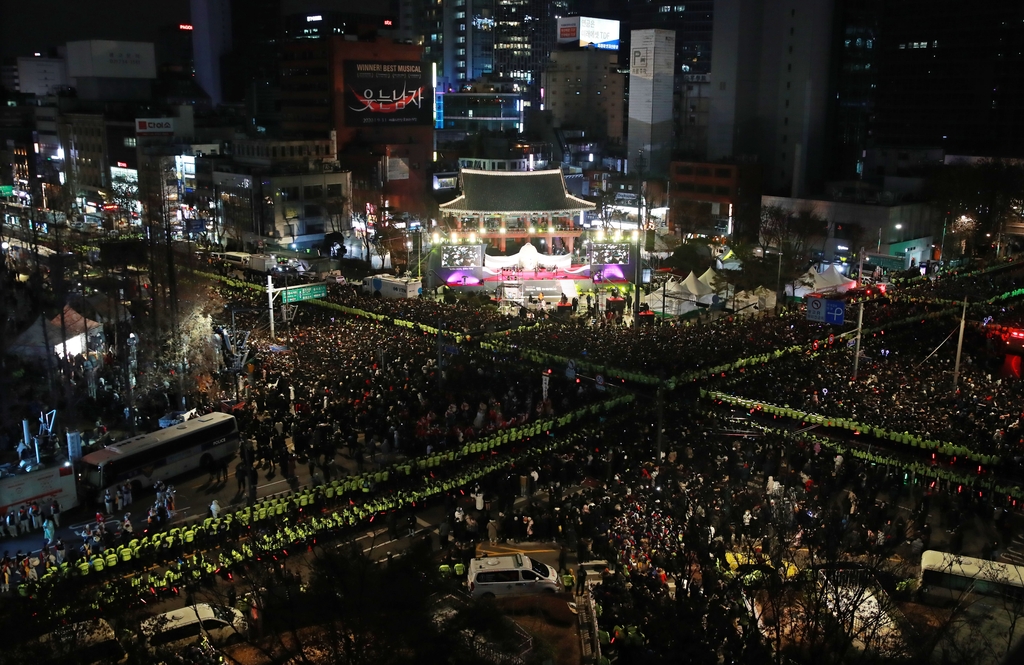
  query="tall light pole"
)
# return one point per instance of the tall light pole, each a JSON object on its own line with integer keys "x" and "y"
{"x": 959, "y": 346}
{"x": 637, "y": 271}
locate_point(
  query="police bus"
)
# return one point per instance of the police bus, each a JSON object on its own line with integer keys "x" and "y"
{"x": 142, "y": 460}
{"x": 946, "y": 577}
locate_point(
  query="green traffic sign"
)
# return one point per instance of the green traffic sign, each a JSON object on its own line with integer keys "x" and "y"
{"x": 300, "y": 293}
{"x": 6, "y": 190}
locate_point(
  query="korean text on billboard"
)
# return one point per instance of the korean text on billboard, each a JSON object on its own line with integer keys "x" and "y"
{"x": 387, "y": 93}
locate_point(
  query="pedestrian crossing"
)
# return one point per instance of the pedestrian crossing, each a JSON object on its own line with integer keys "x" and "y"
{"x": 1014, "y": 552}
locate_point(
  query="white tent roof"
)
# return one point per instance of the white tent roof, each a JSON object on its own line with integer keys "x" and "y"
{"x": 33, "y": 344}
{"x": 835, "y": 277}
{"x": 694, "y": 286}
{"x": 708, "y": 277}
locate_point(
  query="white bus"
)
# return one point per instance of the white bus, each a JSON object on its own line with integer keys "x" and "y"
{"x": 166, "y": 453}
{"x": 947, "y": 577}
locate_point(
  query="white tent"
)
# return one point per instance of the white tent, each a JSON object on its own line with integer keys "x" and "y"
{"x": 840, "y": 281}
{"x": 695, "y": 287}
{"x": 33, "y": 343}
{"x": 671, "y": 301}
{"x": 810, "y": 282}
{"x": 708, "y": 277}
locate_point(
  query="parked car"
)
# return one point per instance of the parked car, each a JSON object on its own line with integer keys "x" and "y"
{"x": 185, "y": 626}
{"x": 510, "y": 575}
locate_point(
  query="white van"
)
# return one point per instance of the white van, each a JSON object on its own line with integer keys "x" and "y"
{"x": 180, "y": 628}
{"x": 90, "y": 642}
{"x": 510, "y": 575}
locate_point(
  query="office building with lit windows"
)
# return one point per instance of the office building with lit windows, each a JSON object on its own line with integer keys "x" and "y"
{"x": 524, "y": 36}
{"x": 584, "y": 90}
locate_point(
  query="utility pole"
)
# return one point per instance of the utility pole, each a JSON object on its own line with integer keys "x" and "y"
{"x": 960, "y": 345}
{"x": 660, "y": 437}
{"x": 860, "y": 268}
{"x": 270, "y": 304}
{"x": 856, "y": 350}
{"x": 639, "y": 234}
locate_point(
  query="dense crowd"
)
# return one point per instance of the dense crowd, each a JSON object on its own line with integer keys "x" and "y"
{"x": 455, "y": 314}
{"x": 666, "y": 350}
{"x": 973, "y": 286}
{"x": 902, "y": 387}
{"x": 679, "y": 535}
{"x": 374, "y": 390}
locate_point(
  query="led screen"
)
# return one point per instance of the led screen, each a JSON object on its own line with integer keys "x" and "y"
{"x": 610, "y": 254}
{"x": 461, "y": 256}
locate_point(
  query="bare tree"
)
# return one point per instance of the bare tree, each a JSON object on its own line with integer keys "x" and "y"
{"x": 336, "y": 209}
{"x": 774, "y": 228}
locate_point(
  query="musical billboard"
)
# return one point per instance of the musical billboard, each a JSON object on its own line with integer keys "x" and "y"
{"x": 387, "y": 93}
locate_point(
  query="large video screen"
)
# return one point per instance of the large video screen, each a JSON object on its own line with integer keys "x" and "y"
{"x": 610, "y": 254}
{"x": 461, "y": 256}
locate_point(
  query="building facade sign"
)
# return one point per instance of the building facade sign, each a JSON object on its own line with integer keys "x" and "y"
{"x": 387, "y": 93}
{"x": 154, "y": 126}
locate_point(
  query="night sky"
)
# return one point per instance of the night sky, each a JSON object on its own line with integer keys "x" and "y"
{"x": 37, "y": 25}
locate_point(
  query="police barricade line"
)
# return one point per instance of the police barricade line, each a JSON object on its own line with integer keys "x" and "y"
{"x": 171, "y": 545}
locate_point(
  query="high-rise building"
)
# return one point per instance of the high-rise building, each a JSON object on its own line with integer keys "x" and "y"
{"x": 770, "y": 71}
{"x": 691, "y": 21}
{"x": 951, "y": 78}
{"x": 211, "y": 40}
{"x": 305, "y": 93}
{"x": 320, "y": 24}
{"x": 250, "y": 69}
{"x": 383, "y": 107}
{"x": 524, "y": 35}
{"x": 651, "y": 71}
{"x": 854, "y": 85}
{"x": 584, "y": 90}
{"x": 467, "y": 41}
{"x": 106, "y": 70}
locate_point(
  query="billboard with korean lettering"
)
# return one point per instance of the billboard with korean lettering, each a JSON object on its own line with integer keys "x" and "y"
{"x": 387, "y": 93}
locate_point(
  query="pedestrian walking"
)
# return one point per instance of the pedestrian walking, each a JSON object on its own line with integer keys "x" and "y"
{"x": 35, "y": 516}
{"x": 23, "y": 523}
{"x": 240, "y": 474}
{"x": 119, "y": 499}
{"x": 215, "y": 509}
{"x": 49, "y": 530}
{"x": 108, "y": 502}
{"x": 127, "y": 491}
{"x": 55, "y": 512}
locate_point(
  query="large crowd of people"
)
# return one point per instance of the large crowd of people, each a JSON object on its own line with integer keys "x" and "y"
{"x": 456, "y": 315}
{"x": 905, "y": 384}
{"x": 678, "y": 530}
